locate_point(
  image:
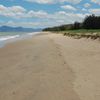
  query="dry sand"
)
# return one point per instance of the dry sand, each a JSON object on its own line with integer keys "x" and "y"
{"x": 50, "y": 67}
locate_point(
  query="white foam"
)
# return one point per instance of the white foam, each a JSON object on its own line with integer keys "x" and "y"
{"x": 4, "y": 38}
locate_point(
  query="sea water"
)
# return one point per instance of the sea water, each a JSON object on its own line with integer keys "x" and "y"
{"x": 6, "y": 37}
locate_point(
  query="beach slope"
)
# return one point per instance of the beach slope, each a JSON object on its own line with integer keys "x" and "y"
{"x": 50, "y": 67}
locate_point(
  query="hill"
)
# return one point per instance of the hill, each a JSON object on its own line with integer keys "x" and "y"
{"x": 17, "y": 29}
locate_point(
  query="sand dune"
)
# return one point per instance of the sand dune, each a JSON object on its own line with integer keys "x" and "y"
{"x": 50, "y": 67}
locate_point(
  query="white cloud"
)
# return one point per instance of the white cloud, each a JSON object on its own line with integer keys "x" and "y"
{"x": 20, "y": 12}
{"x": 71, "y": 1}
{"x": 96, "y": 1}
{"x": 86, "y": 5}
{"x": 68, "y": 7}
{"x": 54, "y": 1}
{"x": 43, "y": 19}
{"x": 95, "y": 11}
{"x": 2, "y": 8}
{"x": 38, "y": 14}
{"x": 65, "y": 17}
{"x": 42, "y": 1}
{"x": 14, "y": 11}
{"x": 17, "y": 9}
{"x": 54, "y": 19}
{"x": 23, "y": 24}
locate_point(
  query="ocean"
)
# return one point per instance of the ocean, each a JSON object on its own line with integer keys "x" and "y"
{"x": 6, "y": 37}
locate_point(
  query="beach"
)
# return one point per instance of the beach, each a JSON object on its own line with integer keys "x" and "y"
{"x": 50, "y": 67}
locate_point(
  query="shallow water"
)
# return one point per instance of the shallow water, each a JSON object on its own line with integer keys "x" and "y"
{"x": 6, "y": 37}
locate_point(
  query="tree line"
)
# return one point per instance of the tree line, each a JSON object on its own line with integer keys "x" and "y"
{"x": 89, "y": 22}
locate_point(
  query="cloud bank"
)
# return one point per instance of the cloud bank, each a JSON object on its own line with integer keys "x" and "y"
{"x": 54, "y": 1}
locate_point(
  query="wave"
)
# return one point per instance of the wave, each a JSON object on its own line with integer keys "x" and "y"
{"x": 4, "y": 38}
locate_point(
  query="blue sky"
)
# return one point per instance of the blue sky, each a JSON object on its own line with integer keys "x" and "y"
{"x": 45, "y": 13}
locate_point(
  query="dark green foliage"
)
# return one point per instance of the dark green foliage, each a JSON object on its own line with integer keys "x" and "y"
{"x": 59, "y": 28}
{"x": 90, "y": 22}
{"x": 77, "y": 25}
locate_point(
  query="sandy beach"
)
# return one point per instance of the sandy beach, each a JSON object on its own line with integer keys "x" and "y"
{"x": 50, "y": 67}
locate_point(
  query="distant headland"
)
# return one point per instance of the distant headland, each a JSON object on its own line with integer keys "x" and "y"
{"x": 18, "y": 29}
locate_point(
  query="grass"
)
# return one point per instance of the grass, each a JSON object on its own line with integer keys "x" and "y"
{"x": 82, "y": 33}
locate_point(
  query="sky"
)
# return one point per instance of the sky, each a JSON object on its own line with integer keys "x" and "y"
{"x": 45, "y": 13}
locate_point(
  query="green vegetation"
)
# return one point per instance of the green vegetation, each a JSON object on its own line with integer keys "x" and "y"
{"x": 93, "y": 34}
{"x": 90, "y": 22}
{"x": 89, "y": 28}
{"x": 83, "y": 31}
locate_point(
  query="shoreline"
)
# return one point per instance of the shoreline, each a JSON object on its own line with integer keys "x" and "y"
{"x": 10, "y": 39}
